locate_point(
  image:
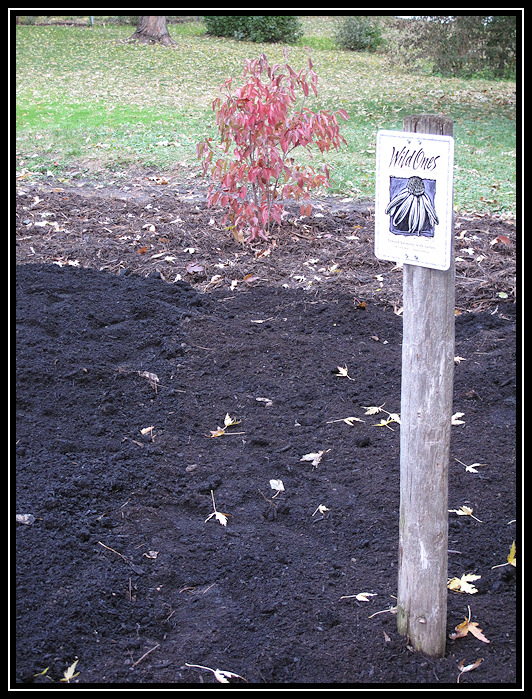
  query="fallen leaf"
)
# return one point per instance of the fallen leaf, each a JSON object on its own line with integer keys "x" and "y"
{"x": 465, "y": 510}
{"x": 511, "y": 556}
{"x": 347, "y": 420}
{"x": 220, "y": 516}
{"x": 363, "y": 596}
{"x": 466, "y": 627}
{"x": 216, "y": 433}
{"x": 194, "y": 268}
{"x": 463, "y": 584}
{"x": 69, "y": 673}
{"x": 145, "y": 431}
{"x": 222, "y": 676}
{"x": 276, "y": 484}
{"x": 267, "y": 402}
{"x": 315, "y": 457}
{"x": 467, "y": 668}
{"x": 501, "y": 239}
{"x": 229, "y": 421}
{"x": 472, "y": 468}
{"x": 342, "y": 371}
{"x": 152, "y": 378}
{"x": 392, "y": 417}
{"x": 455, "y": 419}
{"x": 373, "y": 409}
{"x": 151, "y": 554}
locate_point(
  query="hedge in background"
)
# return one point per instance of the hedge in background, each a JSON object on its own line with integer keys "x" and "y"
{"x": 259, "y": 28}
{"x": 358, "y": 33}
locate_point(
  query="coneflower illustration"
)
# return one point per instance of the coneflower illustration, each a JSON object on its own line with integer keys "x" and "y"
{"x": 412, "y": 202}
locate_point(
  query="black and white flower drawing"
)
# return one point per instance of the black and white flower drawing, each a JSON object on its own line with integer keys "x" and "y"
{"x": 411, "y": 209}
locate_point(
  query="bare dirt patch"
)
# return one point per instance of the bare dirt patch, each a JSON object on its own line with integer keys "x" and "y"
{"x": 116, "y": 285}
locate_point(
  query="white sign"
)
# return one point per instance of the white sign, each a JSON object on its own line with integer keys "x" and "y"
{"x": 414, "y": 198}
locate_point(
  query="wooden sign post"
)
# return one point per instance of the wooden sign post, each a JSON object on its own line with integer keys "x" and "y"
{"x": 427, "y": 373}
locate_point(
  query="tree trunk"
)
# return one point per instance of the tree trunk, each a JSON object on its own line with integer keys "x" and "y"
{"x": 151, "y": 29}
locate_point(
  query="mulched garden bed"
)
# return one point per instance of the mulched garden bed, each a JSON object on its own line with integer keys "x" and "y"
{"x": 140, "y": 325}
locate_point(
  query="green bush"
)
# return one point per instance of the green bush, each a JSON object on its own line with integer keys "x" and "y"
{"x": 358, "y": 33}
{"x": 257, "y": 28}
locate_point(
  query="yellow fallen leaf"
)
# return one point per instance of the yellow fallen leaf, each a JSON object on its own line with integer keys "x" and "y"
{"x": 511, "y": 556}
{"x": 373, "y": 409}
{"x": 463, "y": 584}
{"x": 347, "y": 420}
{"x": 392, "y": 417}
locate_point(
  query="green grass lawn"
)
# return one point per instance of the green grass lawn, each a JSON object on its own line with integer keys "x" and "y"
{"x": 86, "y": 99}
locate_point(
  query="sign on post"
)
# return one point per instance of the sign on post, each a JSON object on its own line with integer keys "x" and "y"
{"x": 414, "y": 225}
{"x": 414, "y": 198}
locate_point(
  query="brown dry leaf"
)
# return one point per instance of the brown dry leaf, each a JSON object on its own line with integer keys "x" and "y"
{"x": 216, "y": 433}
{"x": 468, "y": 626}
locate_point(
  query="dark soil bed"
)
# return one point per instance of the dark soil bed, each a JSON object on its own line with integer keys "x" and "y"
{"x": 140, "y": 325}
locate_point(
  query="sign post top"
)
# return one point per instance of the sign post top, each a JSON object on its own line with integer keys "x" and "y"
{"x": 414, "y": 198}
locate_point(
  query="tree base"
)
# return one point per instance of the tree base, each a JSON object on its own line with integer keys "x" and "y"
{"x": 152, "y": 30}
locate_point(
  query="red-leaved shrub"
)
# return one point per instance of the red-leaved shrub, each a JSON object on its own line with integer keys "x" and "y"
{"x": 252, "y": 167}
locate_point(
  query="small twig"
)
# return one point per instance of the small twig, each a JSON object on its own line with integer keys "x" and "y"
{"x": 145, "y": 654}
{"x": 117, "y": 553}
{"x": 392, "y": 610}
{"x": 137, "y": 569}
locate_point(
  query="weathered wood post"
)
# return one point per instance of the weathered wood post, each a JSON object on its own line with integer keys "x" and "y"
{"x": 426, "y": 383}
{"x": 426, "y": 411}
